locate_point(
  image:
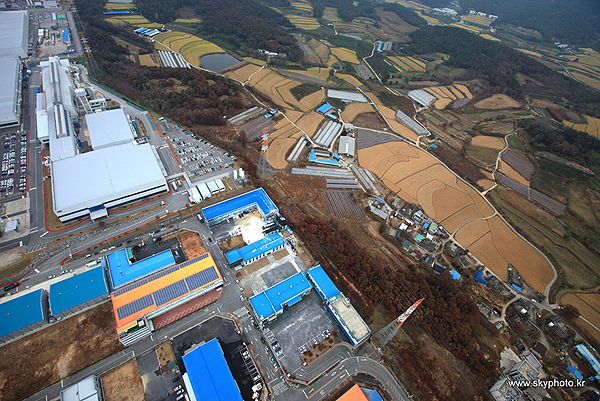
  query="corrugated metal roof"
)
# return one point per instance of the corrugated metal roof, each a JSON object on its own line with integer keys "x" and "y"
{"x": 123, "y": 272}
{"x": 257, "y": 197}
{"x": 13, "y": 35}
{"x": 21, "y": 312}
{"x": 323, "y": 283}
{"x": 76, "y": 290}
{"x": 279, "y": 294}
{"x": 9, "y": 90}
{"x": 108, "y": 128}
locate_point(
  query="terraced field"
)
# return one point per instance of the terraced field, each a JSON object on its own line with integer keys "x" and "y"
{"x": 345, "y": 54}
{"x": 467, "y": 27}
{"x": 489, "y": 37}
{"x": 407, "y": 63}
{"x": 592, "y": 127}
{"x": 330, "y": 14}
{"x": 191, "y": 47}
{"x": 301, "y": 22}
{"x": 478, "y": 19}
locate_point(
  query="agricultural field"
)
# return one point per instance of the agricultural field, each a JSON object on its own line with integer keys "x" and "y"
{"x": 446, "y": 95}
{"x": 478, "y": 19}
{"x": 123, "y": 383}
{"x": 302, "y": 6}
{"x": 146, "y": 59}
{"x": 489, "y": 37}
{"x": 491, "y": 142}
{"x": 469, "y": 28}
{"x": 119, "y": 6}
{"x": 407, "y": 63}
{"x": 301, "y": 22}
{"x": 330, "y": 14}
{"x": 350, "y": 79}
{"x": 529, "y": 52}
{"x": 430, "y": 20}
{"x": 315, "y": 72}
{"x": 135, "y": 20}
{"x": 589, "y": 309}
{"x": 390, "y": 118}
{"x": 344, "y": 54}
{"x": 191, "y": 47}
{"x": 187, "y": 21}
{"x": 278, "y": 148}
{"x": 255, "y": 61}
{"x": 592, "y": 127}
{"x": 586, "y": 68}
{"x": 354, "y": 109}
{"x": 498, "y": 102}
{"x": 342, "y": 204}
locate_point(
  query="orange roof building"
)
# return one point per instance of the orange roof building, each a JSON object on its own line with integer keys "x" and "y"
{"x": 354, "y": 394}
{"x": 136, "y": 304}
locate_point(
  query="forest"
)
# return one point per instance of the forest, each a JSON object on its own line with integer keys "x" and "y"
{"x": 576, "y": 22}
{"x": 499, "y": 65}
{"x": 406, "y": 14}
{"x": 346, "y": 9}
{"x": 189, "y": 96}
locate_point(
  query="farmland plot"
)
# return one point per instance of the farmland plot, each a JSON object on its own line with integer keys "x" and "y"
{"x": 341, "y": 204}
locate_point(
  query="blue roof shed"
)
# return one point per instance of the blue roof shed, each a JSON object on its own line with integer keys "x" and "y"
{"x": 262, "y": 246}
{"x": 324, "y": 108}
{"x": 575, "y": 372}
{"x": 21, "y": 312}
{"x": 479, "y": 277}
{"x": 454, "y": 274}
{"x": 76, "y": 290}
{"x": 209, "y": 374}
{"x": 233, "y": 256}
{"x": 286, "y": 292}
{"x": 323, "y": 284}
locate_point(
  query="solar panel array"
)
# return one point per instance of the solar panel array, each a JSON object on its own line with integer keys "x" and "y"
{"x": 129, "y": 288}
{"x": 170, "y": 292}
{"x": 189, "y": 262}
{"x": 163, "y": 273}
{"x": 135, "y": 306}
{"x": 204, "y": 277}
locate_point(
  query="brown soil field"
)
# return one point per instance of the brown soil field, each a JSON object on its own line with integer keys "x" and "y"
{"x": 485, "y": 184}
{"x": 371, "y": 121}
{"x": 11, "y": 257}
{"x": 165, "y": 353}
{"x": 284, "y": 92}
{"x": 447, "y": 92}
{"x": 427, "y": 192}
{"x": 464, "y": 90}
{"x": 512, "y": 173}
{"x": 491, "y": 142}
{"x": 242, "y": 73}
{"x": 46, "y": 356}
{"x": 294, "y": 115}
{"x": 232, "y": 243}
{"x": 191, "y": 244}
{"x": 452, "y": 222}
{"x": 448, "y": 201}
{"x": 402, "y": 130}
{"x": 354, "y": 109}
{"x": 441, "y": 104}
{"x": 145, "y": 59}
{"x": 277, "y": 151}
{"x": 313, "y": 100}
{"x": 472, "y": 232}
{"x": 310, "y": 122}
{"x": 259, "y": 264}
{"x": 124, "y": 383}
{"x": 457, "y": 94}
{"x": 350, "y": 79}
{"x": 385, "y": 163}
{"x": 280, "y": 254}
{"x": 496, "y": 102}
{"x": 479, "y": 201}
{"x": 589, "y": 308}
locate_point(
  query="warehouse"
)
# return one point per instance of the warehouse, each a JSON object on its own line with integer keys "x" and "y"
{"x": 270, "y": 303}
{"x": 109, "y": 128}
{"x": 88, "y": 389}
{"x": 10, "y": 91}
{"x": 78, "y": 292}
{"x": 14, "y": 33}
{"x": 91, "y": 183}
{"x": 347, "y": 146}
{"x": 23, "y": 314}
{"x": 139, "y": 307}
{"x": 255, "y": 251}
{"x": 208, "y": 377}
{"x": 123, "y": 269}
{"x": 228, "y": 208}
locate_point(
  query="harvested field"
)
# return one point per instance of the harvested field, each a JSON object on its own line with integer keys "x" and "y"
{"x": 519, "y": 162}
{"x": 515, "y": 186}
{"x": 441, "y": 104}
{"x": 587, "y": 304}
{"x": 464, "y": 90}
{"x": 453, "y": 221}
{"x": 310, "y": 122}
{"x": 512, "y": 173}
{"x": 478, "y": 19}
{"x": 280, "y": 254}
{"x": 306, "y": 76}
{"x": 345, "y": 54}
{"x": 350, "y": 79}
{"x": 191, "y": 244}
{"x": 123, "y": 383}
{"x": 366, "y": 139}
{"x": 307, "y": 23}
{"x": 243, "y": 73}
{"x": 547, "y": 202}
{"x": 354, "y": 109}
{"x": 497, "y": 102}
{"x": 489, "y": 37}
{"x": 491, "y": 142}
{"x": 471, "y": 232}
{"x": 278, "y": 148}
{"x": 257, "y": 128}
{"x": 48, "y": 355}
{"x": 311, "y": 101}
{"x": 146, "y": 59}
{"x": 342, "y": 204}
{"x": 592, "y": 127}
{"x": 331, "y": 14}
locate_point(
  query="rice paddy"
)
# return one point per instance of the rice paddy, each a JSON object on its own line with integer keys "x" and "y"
{"x": 529, "y": 52}
{"x": 330, "y": 14}
{"x": 187, "y": 21}
{"x": 467, "y": 27}
{"x": 121, "y": 20}
{"x": 592, "y": 127}
{"x": 302, "y": 6}
{"x": 301, "y": 22}
{"x": 407, "y": 64}
{"x": 345, "y": 54}
{"x": 191, "y": 47}
{"x": 586, "y": 68}
{"x": 478, "y": 19}
{"x": 119, "y": 6}
{"x": 489, "y": 37}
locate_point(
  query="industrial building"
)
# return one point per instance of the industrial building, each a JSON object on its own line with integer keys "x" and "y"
{"x": 270, "y": 303}
{"x": 223, "y": 210}
{"x": 23, "y": 314}
{"x": 340, "y": 307}
{"x": 255, "y": 251}
{"x": 88, "y": 389}
{"x": 124, "y": 269}
{"x": 14, "y": 33}
{"x": 109, "y": 128}
{"x": 357, "y": 393}
{"x": 78, "y": 292}
{"x": 10, "y": 91}
{"x": 208, "y": 377}
{"x": 139, "y": 307}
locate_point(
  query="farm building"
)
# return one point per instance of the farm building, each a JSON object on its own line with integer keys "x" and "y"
{"x": 109, "y": 128}
{"x": 78, "y": 292}
{"x": 270, "y": 303}
{"x": 143, "y": 305}
{"x": 327, "y": 133}
{"x": 10, "y": 91}
{"x": 422, "y": 97}
{"x": 223, "y": 210}
{"x": 585, "y": 353}
{"x": 255, "y": 251}
{"x": 347, "y": 96}
{"x": 124, "y": 269}
{"x": 324, "y": 108}
{"x": 14, "y": 33}
{"x": 88, "y": 389}
{"x": 347, "y": 146}
{"x": 208, "y": 376}
{"x": 23, "y": 314}
{"x": 339, "y": 306}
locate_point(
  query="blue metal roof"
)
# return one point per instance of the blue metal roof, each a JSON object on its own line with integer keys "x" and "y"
{"x": 516, "y": 287}
{"x": 479, "y": 277}
{"x": 209, "y": 374}
{"x": 272, "y": 300}
{"x": 21, "y": 312}
{"x": 240, "y": 203}
{"x": 324, "y": 108}
{"x": 372, "y": 395}
{"x": 233, "y": 256}
{"x": 261, "y": 246}
{"x": 575, "y": 372}
{"x": 454, "y": 274}
{"x": 65, "y": 35}
{"x": 590, "y": 358}
{"x": 76, "y": 290}
{"x": 323, "y": 283}
{"x": 122, "y": 272}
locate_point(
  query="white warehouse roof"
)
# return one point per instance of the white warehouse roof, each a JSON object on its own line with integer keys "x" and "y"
{"x": 14, "y": 33}
{"x": 9, "y": 90}
{"x": 108, "y": 128}
{"x": 104, "y": 176}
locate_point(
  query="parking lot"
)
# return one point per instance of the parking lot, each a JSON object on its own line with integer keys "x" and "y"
{"x": 14, "y": 164}
{"x": 197, "y": 156}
